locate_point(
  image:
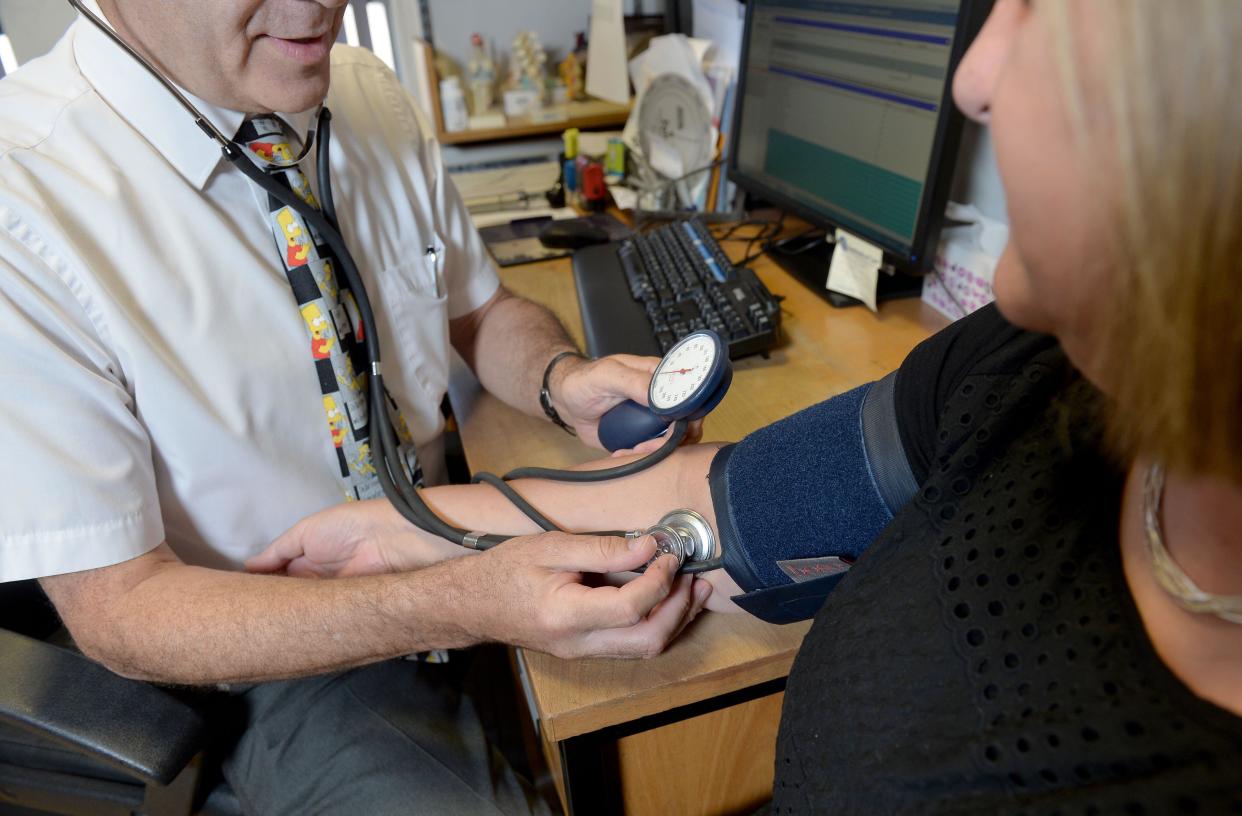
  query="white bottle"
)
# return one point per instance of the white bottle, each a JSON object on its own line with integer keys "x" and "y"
{"x": 453, "y": 105}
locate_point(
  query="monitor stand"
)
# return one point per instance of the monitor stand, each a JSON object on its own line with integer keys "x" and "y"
{"x": 811, "y": 267}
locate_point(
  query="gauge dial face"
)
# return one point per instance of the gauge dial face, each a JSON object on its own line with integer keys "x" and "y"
{"x": 683, "y": 371}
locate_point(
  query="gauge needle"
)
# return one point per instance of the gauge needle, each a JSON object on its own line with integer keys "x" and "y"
{"x": 678, "y": 371}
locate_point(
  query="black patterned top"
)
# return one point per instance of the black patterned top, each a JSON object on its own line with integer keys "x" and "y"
{"x": 985, "y": 654}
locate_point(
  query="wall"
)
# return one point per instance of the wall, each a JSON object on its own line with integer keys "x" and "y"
{"x": 34, "y": 26}
{"x": 499, "y": 21}
{"x": 977, "y": 180}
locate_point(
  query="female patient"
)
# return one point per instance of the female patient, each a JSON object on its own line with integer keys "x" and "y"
{"x": 1053, "y": 622}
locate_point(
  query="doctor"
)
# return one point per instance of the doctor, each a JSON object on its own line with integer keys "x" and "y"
{"x": 182, "y": 384}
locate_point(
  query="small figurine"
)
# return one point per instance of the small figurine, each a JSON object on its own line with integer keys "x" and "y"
{"x": 530, "y": 62}
{"x": 572, "y": 72}
{"x": 580, "y": 54}
{"x": 481, "y": 71}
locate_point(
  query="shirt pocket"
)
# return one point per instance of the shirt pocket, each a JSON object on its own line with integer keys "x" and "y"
{"x": 415, "y": 307}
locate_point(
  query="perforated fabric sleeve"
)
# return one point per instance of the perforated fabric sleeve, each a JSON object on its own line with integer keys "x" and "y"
{"x": 983, "y": 343}
{"x": 986, "y": 655}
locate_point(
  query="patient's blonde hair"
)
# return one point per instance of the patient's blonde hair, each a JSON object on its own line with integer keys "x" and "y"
{"x": 1171, "y": 80}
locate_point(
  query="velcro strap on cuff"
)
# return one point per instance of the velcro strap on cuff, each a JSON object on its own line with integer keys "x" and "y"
{"x": 788, "y": 603}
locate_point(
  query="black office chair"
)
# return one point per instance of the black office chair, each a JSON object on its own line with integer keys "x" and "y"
{"x": 77, "y": 739}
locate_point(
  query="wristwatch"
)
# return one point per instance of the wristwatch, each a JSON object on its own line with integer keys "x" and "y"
{"x": 545, "y": 393}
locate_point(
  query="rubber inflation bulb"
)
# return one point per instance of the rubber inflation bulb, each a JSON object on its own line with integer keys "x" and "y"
{"x": 629, "y": 425}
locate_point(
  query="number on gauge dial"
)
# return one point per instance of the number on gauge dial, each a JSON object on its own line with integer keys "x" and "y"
{"x": 682, "y": 372}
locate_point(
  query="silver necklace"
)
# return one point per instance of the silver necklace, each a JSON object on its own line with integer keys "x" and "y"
{"x": 1169, "y": 575}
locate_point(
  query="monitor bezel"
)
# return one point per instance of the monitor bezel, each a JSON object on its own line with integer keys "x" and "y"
{"x": 935, "y": 193}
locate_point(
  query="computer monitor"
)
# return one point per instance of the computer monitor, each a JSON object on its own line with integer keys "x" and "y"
{"x": 845, "y": 116}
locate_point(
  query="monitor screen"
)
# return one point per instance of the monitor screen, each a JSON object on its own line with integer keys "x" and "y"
{"x": 844, "y": 112}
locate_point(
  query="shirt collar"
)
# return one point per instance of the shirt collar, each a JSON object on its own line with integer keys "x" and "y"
{"x": 151, "y": 110}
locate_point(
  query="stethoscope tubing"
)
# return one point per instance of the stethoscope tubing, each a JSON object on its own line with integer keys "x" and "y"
{"x": 398, "y": 487}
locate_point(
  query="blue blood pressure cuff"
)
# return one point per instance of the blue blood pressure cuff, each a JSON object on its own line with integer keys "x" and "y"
{"x": 799, "y": 501}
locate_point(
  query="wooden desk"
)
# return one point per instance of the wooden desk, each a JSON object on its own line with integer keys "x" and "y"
{"x": 692, "y": 731}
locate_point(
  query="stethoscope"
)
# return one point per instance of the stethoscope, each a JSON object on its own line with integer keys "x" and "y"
{"x": 681, "y": 533}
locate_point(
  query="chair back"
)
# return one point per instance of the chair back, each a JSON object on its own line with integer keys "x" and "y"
{"x": 25, "y": 609}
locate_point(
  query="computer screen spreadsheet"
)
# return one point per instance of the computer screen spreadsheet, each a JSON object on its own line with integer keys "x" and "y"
{"x": 841, "y": 106}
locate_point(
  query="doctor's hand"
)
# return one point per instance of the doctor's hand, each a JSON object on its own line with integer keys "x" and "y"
{"x": 584, "y": 390}
{"x": 530, "y": 592}
{"x": 351, "y": 539}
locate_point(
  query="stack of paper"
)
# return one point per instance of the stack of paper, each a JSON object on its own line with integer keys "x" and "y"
{"x": 709, "y": 61}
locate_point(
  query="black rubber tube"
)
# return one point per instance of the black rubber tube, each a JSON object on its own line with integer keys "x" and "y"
{"x": 397, "y": 487}
{"x": 675, "y": 437}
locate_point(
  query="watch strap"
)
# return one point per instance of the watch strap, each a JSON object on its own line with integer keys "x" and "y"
{"x": 545, "y": 392}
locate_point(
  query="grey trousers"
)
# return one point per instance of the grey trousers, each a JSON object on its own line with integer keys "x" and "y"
{"x": 398, "y": 737}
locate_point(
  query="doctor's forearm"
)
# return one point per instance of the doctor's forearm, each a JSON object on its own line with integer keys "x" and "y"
{"x": 508, "y": 343}
{"x": 158, "y": 619}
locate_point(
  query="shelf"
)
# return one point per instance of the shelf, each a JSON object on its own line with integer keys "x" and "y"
{"x": 588, "y": 115}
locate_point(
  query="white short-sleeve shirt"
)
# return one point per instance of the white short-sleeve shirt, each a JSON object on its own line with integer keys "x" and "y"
{"x": 155, "y": 382}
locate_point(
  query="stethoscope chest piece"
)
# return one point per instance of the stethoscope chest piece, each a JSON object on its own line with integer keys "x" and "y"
{"x": 685, "y": 535}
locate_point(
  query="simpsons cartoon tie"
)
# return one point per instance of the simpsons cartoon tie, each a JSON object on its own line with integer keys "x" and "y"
{"x": 333, "y": 325}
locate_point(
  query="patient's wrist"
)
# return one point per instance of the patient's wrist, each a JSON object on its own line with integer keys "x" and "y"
{"x": 417, "y": 550}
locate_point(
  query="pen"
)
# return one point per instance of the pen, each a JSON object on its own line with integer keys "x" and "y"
{"x": 434, "y": 256}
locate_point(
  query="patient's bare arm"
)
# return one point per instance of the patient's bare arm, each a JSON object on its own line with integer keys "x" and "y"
{"x": 371, "y": 537}
{"x": 803, "y": 505}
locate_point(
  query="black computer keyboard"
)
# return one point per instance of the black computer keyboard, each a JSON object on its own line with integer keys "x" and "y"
{"x": 643, "y": 294}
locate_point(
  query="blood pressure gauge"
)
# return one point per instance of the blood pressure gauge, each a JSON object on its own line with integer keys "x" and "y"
{"x": 690, "y": 381}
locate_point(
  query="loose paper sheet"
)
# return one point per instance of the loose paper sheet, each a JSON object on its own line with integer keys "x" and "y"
{"x": 625, "y": 198}
{"x": 671, "y": 54}
{"x": 607, "y": 73}
{"x": 665, "y": 159}
{"x": 855, "y": 270}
